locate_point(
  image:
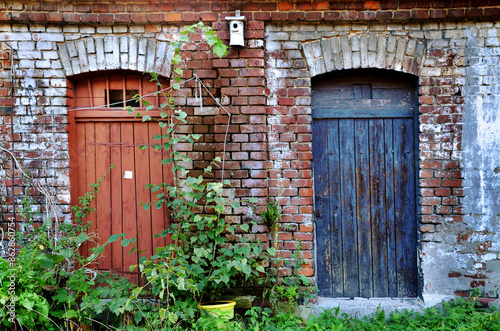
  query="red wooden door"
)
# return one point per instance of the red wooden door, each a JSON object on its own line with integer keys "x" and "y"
{"x": 101, "y": 135}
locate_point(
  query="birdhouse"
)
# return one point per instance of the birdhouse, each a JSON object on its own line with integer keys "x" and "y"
{"x": 236, "y": 29}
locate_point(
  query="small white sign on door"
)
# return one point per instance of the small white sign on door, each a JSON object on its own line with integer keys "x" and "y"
{"x": 128, "y": 174}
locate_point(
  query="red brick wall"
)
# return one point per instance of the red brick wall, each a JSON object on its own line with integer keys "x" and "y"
{"x": 212, "y": 11}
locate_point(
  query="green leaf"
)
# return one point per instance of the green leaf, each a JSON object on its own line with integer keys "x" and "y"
{"x": 271, "y": 251}
{"x": 115, "y": 237}
{"x": 220, "y": 49}
{"x": 178, "y": 71}
{"x": 45, "y": 261}
{"x": 244, "y": 227}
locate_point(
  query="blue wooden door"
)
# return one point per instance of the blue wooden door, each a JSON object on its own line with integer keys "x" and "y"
{"x": 365, "y": 185}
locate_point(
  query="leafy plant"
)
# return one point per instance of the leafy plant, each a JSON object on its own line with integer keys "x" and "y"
{"x": 51, "y": 279}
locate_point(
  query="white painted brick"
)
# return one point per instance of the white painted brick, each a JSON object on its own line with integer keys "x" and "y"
{"x": 150, "y": 55}
{"x": 430, "y": 72}
{"x": 416, "y": 34}
{"x": 58, "y": 82}
{"x": 120, "y": 29}
{"x": 37, "y": 28}
{"x": 82, "y": 55}
{"x": 72, "y": 49}
{"x": 400, "y": 51}
{"x": 55, "y": 92}
{"x": 137, "y": 29}
{"x": 394, "y": 26}
{"x": 75, "y": 66}
{"x": 124, "y": 44}
{"x": 160, "y": 56}
{"x": 346, "y": 52}
{"x": 104, "y": 29}
{"x": 116, "y": 53}
{"x": 356, "y": 60}
{"x": 29, "y": 55}
{"x": 43, "y": 64}
{"x": 50, "y": 55}
{"x": 411, "y": 47}
{"x": 132, "y": 53}
{"x": 26, "y": 45}
{"x": 5, "y": 28}
{"x": 90, "y": 45}
{"x": 141, "y": 63}
{"x": 327, "y": 54}
{"x": 87, "y": 29}
{"x": 255, "y": 43}
{"x": 101, "y": 59}
{"x": 278, "y": 36}
{"x": 171, "y": 28}
{"x": 19, "y": 27}
{"x": 58, "y": 102}
{"x": 11, "y": 36}
{"x": 70, "y": 28}
{"x": 26, "y": 64}
{"x": 53, "y": 73}
{"x": 66, "y": 62}
{"x": 316, "y": 48}
{"x": 54, "y": 28}
{"x": 92, "y": 62}
{"x": 355, "y": 47}
{"x": 273, "y": 45}
{"x": 124, "y": 61}
{"x": 44, "y": 45}
{"x": 381, "y": 52}
{"x": 291, "y": 45}
{"x": 433, "y": 34}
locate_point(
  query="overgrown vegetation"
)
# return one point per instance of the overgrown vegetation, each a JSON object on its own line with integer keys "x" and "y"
{"x": 456, "y": 315}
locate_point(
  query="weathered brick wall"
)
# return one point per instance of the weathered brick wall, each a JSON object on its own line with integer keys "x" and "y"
{"x": 266, "y": 86}
{"x": 445, "y": 236}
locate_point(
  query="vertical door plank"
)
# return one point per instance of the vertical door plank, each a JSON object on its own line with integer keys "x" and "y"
{"x": 116, "y": 193}
{"x": 149, "y": 89}
{"x": 335, "y": 206}
{"x": 379, "y": 220}
{"x": 323, "y": 224}
{"x": 405, "y": 208}
{"x": 158, "y": 221}
{"x": 349, "y": 230}
{"x": 390, "y": 168}
{"x": 99, "y": 89}
{"x": 129, "y": 207}
{"x": 168, "y": 177}
{"x": 81, "y": 146}
{"x": 144, "y": 234}
{"x": 363, "y": 226}
{"x": 90, "y": 177}
{"x": 103, "y": 200}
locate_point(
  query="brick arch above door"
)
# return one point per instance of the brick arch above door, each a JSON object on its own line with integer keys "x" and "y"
{"x": 401, "y": 54}
{"x": 115, "y": 52}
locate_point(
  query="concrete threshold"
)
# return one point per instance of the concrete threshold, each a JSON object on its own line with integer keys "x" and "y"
{"x": 359, "y": 307}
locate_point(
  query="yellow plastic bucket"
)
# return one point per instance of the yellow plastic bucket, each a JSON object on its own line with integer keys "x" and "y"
{"x": 223, "y": 310}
